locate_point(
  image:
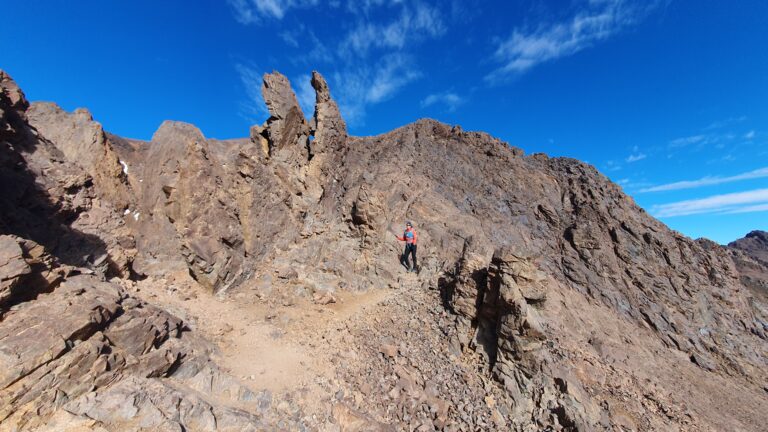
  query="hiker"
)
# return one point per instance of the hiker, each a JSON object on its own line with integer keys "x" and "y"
{"x": 410, "y": 238}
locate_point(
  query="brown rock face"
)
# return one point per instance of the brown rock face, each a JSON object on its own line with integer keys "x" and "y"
{"x": 188, "y": 210}
{"x": 25, "y": 269}
{"x": 546, "y": 299}
{"x": 329, "y": 128}
{"x": 49, "y": 198}
{"x": 13, "y": 266}
{"x": 286, "y": 130}
{"x": 755, "y": 244}
{"x": 83, "y": 143}
{"x": 751, "y": 258}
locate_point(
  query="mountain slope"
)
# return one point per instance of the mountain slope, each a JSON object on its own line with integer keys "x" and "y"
{"x": 546, "y": 297}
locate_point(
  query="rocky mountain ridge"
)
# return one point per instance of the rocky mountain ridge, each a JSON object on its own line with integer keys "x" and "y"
{"x": 553, "y": 301}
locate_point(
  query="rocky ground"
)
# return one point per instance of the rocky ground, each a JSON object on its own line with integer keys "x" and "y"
{"x": 188, "y": 283}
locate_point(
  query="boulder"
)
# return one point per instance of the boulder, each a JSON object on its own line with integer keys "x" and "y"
{"x": 26, "y": 269}
{"x": 12, "y": 266}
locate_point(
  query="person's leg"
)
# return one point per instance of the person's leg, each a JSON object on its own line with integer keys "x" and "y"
{"x": 413, "y": 252}
{"x": 404, "y": 258}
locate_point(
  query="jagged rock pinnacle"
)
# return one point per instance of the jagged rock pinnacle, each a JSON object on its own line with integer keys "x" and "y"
{"x": 286, "y": 130}
{"x": 329, "y": 127}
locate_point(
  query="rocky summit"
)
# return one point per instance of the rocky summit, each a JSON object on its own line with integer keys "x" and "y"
{"x": 195, "y": 284}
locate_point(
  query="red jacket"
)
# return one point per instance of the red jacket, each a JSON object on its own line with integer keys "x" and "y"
{"x": 409, "y": 236}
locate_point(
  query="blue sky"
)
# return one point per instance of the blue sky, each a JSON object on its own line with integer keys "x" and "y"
{"x": 668, "y": 98}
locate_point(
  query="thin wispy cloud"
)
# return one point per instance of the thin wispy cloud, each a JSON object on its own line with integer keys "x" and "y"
{"x": 726, "y": 122}
{"x": 689, "y": 140}
{"x": 612, "y": 166}
{"x": 719, "y": 134}
{"x": 449, "y": 100}
{"x": 363, "y": 82}
{"x": 289, "y": 38}
{"x": 413, "y": 24}
{"x": 708, "y": 181}
{"x": 305, "y": 94}
{"x": 718, "y": 137}
{"x": 365, "y": 6}
{"x": 627, "y": 184}
{"x": 749, "y": 209}
{"x": 597, "y": 21}
{"x": 372, "y": 84}
{"x": 368, "y": 63}
{"x": 319, "y": 52}
{"x": 254, "y": 11}
{"x": 636, "y": 155}
{"x": 739, "y": 202}
{"x": 253, "y": 109}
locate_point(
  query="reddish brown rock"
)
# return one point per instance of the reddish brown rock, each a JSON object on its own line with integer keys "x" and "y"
{"x": 188, "y": 211}
{"x": 84, "y": 144}
{"x": 286, "y": 130}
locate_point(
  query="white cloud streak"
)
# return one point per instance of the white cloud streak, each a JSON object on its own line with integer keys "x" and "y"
{"x": 450, "y": 100}
{"x": 739, "y": 202}
{"x": 636, "y": 157}
{"x": 726, "y": 122}
{"x": 305, "y": 94}
{"x": 255, "y": 11}
{"x": 289, "y": 38}
{"x": 412, "y": 25}
{"x": 708, "y": 181}
{"x": 689, "y": 140}
{"x": 372, "y": 84}
{"x": 364, "y": 6}
{"x": 253, "y": 109}
{"x": 367, "y": 65}
{"x": 599, "y": 20}
{"x": 749, "y": 209}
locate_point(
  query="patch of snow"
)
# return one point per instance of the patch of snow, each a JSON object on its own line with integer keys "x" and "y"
{"x": 136, "y": 216}
{"x": 125, "y": 167}
{"x": 126, "y": 211}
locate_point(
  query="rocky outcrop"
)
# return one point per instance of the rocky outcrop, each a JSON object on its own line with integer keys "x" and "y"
{"x": 88, "y": 354}
{"x": 286, "y": 130}
{"x": 13, "y": 267}
{"x": 83, "y": 143}
{"x": 49, "y": 199}
{"x": 329, "y": 128}
{"x": 500, "y": 306}
{"x": 189, "y": 211}
{"x": 755, "y": 244}
{"x": 156, "y": 405}
{"x": 25, "y": 270}
{"x": 14, "y": 104}
{"x": 751, "y": 257}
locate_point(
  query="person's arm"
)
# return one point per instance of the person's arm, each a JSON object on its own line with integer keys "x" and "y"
{"x": 399, "y": 238}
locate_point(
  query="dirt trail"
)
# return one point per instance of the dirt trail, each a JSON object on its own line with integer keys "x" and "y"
{"x": 279, "y": 348}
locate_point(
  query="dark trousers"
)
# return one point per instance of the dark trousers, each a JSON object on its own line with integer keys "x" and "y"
{"x": 409, "y": 249}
